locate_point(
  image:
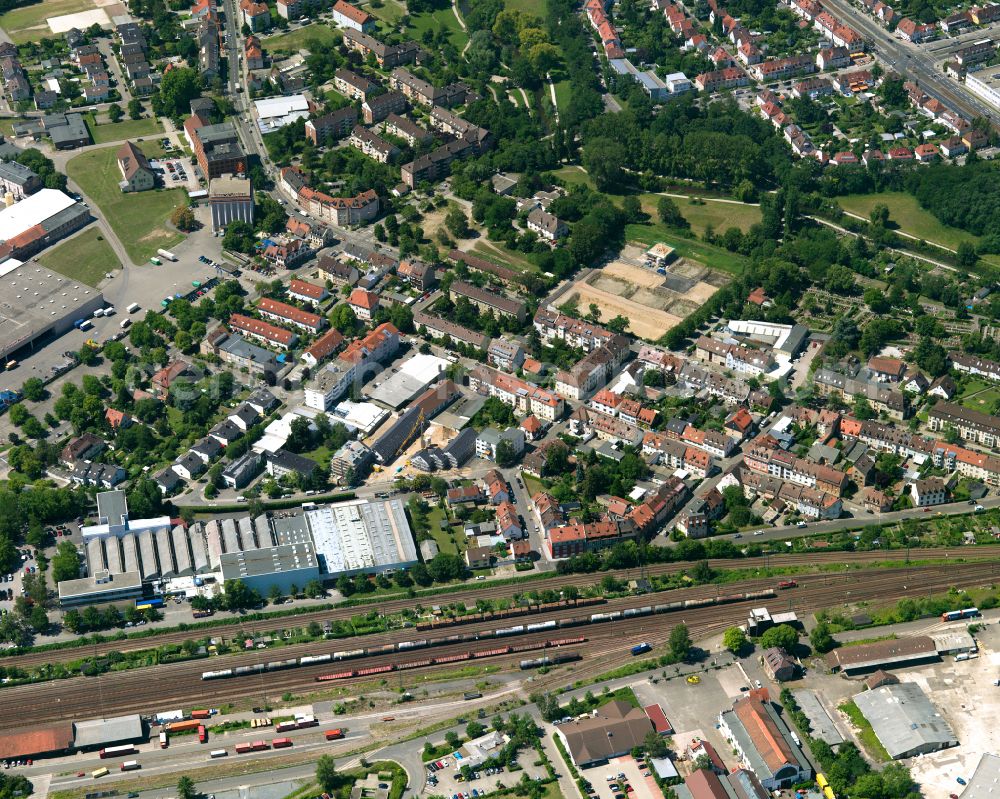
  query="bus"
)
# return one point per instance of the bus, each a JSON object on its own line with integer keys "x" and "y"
{"x": 117, "y": 751}
{"x": 101, "y": 772}
{"x": 155, "y": 602}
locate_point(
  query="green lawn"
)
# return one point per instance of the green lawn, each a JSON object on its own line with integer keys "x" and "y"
{"x": 910, "y": 218}
{"x": 719, "y": 215}
{"x": 298, "y": 39}
{"x": 28, "y": 23}
{"x": 389, "y": 12}
{"x": 443, "y": 537}
{"x": 563, "y": 94}
{"x": 499, "y": 254}
{"x": 443, "y": 18}
{"x": 984, "y": 398}
{"x": 139, "y": 220}
{"x": 708, "y": 254}
{"x": 85, "y": 258}
{"x": 537, "y": 7}
{"x": 126, "y": 129}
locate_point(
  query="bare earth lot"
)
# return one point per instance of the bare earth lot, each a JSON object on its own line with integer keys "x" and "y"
{"x": 653, "y": 303}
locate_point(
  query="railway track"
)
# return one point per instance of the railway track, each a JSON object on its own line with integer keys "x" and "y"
{"x": 180, "y": 684}
{"x": 34, "y": 659}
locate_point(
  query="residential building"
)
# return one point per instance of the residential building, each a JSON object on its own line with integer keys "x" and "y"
{"x": 402, "y": 127}
{"x": 552, "y": 325}
{"x": 289, "y": 314}
{"x": 424, "y": 93}
{"x": 306, "y": 292}
{"x": 928, "y": 492}
{"x": 521, "y": 395}
{"x": 546, "y": 225}
{"x": 488, "y": 301}
{"x": 284, "y": 463}
{"x": 332, "y": 126}
{"x": 375, "y": 109}
{"x": 434, "y": 165}
{"x": 262, "y": 331}
{"x": 387, "y": 56}
{"x": 505, "y": 355}
{"x": 217, "y": 148}
{"x": 373, "y": 145}
{"x": 364, "y": 304}
{"x": 346, "y": 15}
{"x": 358, "y": 358}
{"x": 971, "y": 425}
{"x": 255, "y": 15}
{"x": 489, "y": 439}
{"x": 336, "y": 271}
{"x": 18, "y": 180}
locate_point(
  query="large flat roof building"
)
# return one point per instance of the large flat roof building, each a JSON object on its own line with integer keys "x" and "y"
{"x": 95, "y": 733}
{"x": 905, "y": 721}
{"x": 100, "y": 586}
{"x": 362, "y": 536}
{"x": 281, "y": 566}
{"x": 413, "y": 376}
{"x": 615, "y": 730}
{"x": 983, "y": 783}
{"x": 231, "y": 200}
{"x": 36, "y": 303}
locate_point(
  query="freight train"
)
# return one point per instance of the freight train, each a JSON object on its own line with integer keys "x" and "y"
{"x": 502, "y": 632}
{"x": 509, "y": 613}
{"x": 445, "y": 659}
{"x": 550, "y": 660}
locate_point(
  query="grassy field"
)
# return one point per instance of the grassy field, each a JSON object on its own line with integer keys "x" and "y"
{"x": 719, "y": 215}
{"x": 443, "y": 537}
{"x": 28, "y": 23}
{"x": 563, "y": 94}
{"x": 499, "y": 254}
{"x": 443, "y": 18}
{"x": 126, "y": 129}
{"x": 298, "y": 39}
{"x": 708, "y": 254}
{"x": 980, "y": 395}
{"x": 139, "y": 220}
{"x": 537, "y": 7}
{"x": 389, "y": 12}
{"x": 85, "y": 258}
{"x": 910, "y": 218}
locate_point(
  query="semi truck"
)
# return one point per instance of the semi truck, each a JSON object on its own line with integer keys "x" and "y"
{"x": 164, "y": 740}
{"x": 166, "y": 254}
{"x": 117, "y": 751}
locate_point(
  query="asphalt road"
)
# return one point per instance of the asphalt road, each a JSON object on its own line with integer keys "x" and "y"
{"x": 915, "y": 62}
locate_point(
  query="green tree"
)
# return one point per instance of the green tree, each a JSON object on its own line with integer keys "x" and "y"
{"x": 65, "y": 563}
{"x": 604, "y": 160}
{"x": 966, "y": 254}
{"x": 185, "y": 786}
{"x": 669, "y": 214}
{"x": 655, "y": 745}
{"x": 821, "y": 639}
{"x": 33, "y": 389}
{"x": 735, "y": 640}
{"x": 680, "y": 642}
{"x": 178, "y": 88}
{"x": 274, "y": 594}
{"x": 506, "y": 455}
{"x": 115, "y": 112}
{"x": 326, "y": 773}
{"x": 134, "y": 109}
{"x": 782, "y": 636}
{"x": 457, "y": 222}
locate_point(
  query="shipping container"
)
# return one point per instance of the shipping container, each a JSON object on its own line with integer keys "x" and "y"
{"x": 130, "y": 765}
{"x": 201, "y": 714}
{"x": 219, "y": 752}
{"x": 101, "y": 772}
{"x": 183, "y": 726}
{"x": 281, "y": 743}
{"x": 117, "y": 751}
{"x": 202, "y": 734}
{"x": 334, "y": 735}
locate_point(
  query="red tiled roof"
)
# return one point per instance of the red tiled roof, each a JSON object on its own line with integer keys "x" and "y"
{"x": 271, "y": 332}
{"x": 363, "y": 299}
{"x": 290, "y": 312}
{"x": 351, "y": 12}
{"x": 325, "y": 344}
{"x": 305, "y": 289}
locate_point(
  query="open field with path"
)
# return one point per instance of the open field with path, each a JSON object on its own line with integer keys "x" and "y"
{"x": 139, "y": 220}
{"x": 85, "y": 258}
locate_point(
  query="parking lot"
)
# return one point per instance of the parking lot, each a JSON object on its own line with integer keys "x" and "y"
{"x": 175, "y": 172}
{"x": 448, "y": 781}
{"x": 623, "y": 778}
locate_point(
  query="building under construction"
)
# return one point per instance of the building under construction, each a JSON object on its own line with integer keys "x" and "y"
{"x": 412, "y": 424}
